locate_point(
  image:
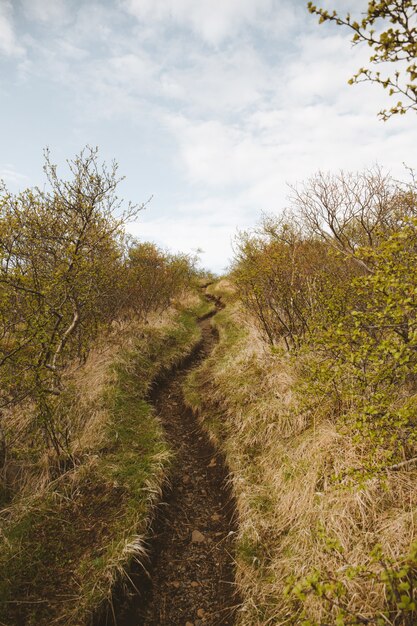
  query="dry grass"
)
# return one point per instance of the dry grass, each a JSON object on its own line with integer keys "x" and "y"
{"x": 283, "y": 463}
{"x": 28, "y": 467}
{"x": 223, "y": 288}
{"x": 67, "y": 539}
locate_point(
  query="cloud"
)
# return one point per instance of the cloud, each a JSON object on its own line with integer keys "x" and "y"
{"x": 226, "y": 82}
{"x": 53, "y": 12}
{"x": 209, "y": 224}
{"x": 268, "y": 149}
{"x": 217, "y": 154}
{"x": 12, "y": 177}
{"x": 9, "y": 45}
{"x": 213, "y": 20}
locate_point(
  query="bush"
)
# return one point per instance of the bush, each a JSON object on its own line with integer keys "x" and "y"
{"x": 66, "y": 273}
{"x": 155, "y": 277}
{"x": 333, "y": 284}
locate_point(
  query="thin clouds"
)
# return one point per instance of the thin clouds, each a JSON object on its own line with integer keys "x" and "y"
{"x": 237, "y": 96}
{"x": 9, "y": 45}
{"x": 48, "y": 12}
{"x": 214, "y": 216}
{"x": 214, "y": 21}
{"x": 11, "y": 176}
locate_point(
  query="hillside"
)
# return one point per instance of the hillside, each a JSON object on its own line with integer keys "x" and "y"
{"x": 183, "y": 449}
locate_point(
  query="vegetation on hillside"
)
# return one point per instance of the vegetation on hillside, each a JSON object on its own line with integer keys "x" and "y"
{"x": 335, "y": 277}
{"x": 67, "y": 273}
{"x": 318, "y": 419}
{"x": 311, "y": 392}
{"x": 89, "y": 317}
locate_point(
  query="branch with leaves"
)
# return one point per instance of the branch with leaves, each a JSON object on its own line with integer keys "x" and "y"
{"x": 389, "y": 27}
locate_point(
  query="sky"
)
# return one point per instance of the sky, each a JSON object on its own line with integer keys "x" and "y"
{"x": 213, "y": 107}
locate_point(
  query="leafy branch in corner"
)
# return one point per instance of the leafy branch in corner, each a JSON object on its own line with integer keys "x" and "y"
{"x": 389, "y": 27}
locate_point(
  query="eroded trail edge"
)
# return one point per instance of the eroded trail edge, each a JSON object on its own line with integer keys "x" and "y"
{"x": 190, "y": 578}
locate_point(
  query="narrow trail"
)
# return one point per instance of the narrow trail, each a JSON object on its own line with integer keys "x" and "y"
{"x": 191, "y": 574}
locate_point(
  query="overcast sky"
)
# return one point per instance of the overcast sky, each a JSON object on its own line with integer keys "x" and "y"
{"x": 212, "y": 106}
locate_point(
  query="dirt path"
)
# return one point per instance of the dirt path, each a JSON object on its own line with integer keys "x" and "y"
{"x": 191, "y": 569}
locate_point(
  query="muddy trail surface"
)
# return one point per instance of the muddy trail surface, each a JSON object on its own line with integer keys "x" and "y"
{"x": 190, "y": 573}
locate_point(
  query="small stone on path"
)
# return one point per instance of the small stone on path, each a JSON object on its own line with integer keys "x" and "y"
{"x": 201, "y": 613}
{"x": 197, "y": 537}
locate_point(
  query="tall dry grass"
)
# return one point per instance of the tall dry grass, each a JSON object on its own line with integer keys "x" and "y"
{"x": 66, "y": 539}
{"x": 294, "y": 517}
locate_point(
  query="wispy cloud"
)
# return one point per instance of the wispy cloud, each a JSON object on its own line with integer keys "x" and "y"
{"x": 56, "y": 12}
{"x": 9, "y": 44}
{"x": 214, "y": 21}
{"x": 12, "y": 177}
{"x": 214, "y": 216}
{"x": 219, "y": 103}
